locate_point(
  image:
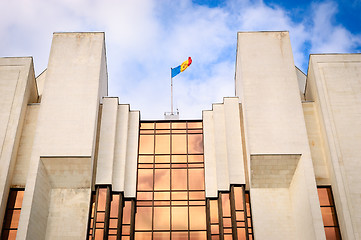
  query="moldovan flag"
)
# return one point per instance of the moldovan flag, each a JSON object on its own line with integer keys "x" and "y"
{"x": 181, "y": 68}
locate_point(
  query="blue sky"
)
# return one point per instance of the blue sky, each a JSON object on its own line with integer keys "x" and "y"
{"x": 145, "y": 38}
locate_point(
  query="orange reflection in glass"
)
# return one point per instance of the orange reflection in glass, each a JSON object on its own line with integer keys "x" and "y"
{"x": 179, "y": 158}
{"x": 126, "y": 212}
{"x": 215, "y": 237}
{"x": 162, "y": 144}
{"x": 19, "y": 198}
{"x": 226, "y": 207}
{"x": 162, "y": 196}
{"x": 241, "y": 233}
{"x": 197, "y": 218}
{"x": 179, "y": 145}
{"x": 324, "y": 195}
{"x": 9, "y": 234}
{"x": 328, "y": 216}
{"x": 145, "y": 179}
{"x": 240, "y": 216}
{"x": 143, "y": 236}
{"x": 145, "y": 159}
{"x": 162, "y": 125}
{"x": 144, "y": 195}
{"x": 179, "y": 125}
{"x": 238, "y": 198}
{"x": 114, "y": 206}
{"x": 332, "y": 233}
{"x": 227, "y": 222}
{"x": 99, "y": 233}
{"x": 161, "y": 235}
{"x": 179, "y": 179}
{"x": 144, "y": 125}
{"x": 146, "y": 144}
{"x": 162, "y": 159}
{"x": 162, "y": 218}
{"x": 194, "y": 124}
{"x": 179, "y": 203}
{"x": 195, "y": 143}
{"x": 213, "y": 204}
{"x": 161, "y": 179}
{"x": 179, "y": 196}
{"x": 199, "y": 235}
{"x": 12, "y": 218}
{"x": 143, "y": 218}
{"x": 113, "y": 223}
{"x": 195, "y": 131}
{"x": 196, "y": 195}
{"x": 126, "y": 230}
{"x": 215, "y": 229}
{"x": 195, "y": 158}
{"x": 102, "y": 196}
{"x": 228, "y": 236}
{"x": 196, "y": 179}
{"x": 179, "y": 235}
{"x": 179, "y": 218}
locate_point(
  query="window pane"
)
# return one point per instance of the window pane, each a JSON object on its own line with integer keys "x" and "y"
{"x": 332, "y": 233}
{"x": 179, "y": 158}
{"x": 226, "y": 207}
{"x": 240, "y": 216}
{"x": 227, "y": 222}
{"x": 241, "y": 232}
{"x": 143, "y": 218}
{"x": 126, "y": 230}
{"x": 161, "y": 218}
{"x": 144, "y": 125}
{"x": 195, "y": 143}
{"x": 196, "y": 179}
{"x": 146, "y": 144}
{"x": 162, "y": 196}
{"x": 179, "y": 179}
{"x": 144, "y": 195}
{"x": 197, "y": 218}
{"x": 99, "y": 233}
{"x": 215, "y": 229}
{"x": 19, "y": 198}
{"x": 164, "y": 125}
{"x": 201, "y": 235}
{"x": 114, "y": 207}
{"x": 328, "y": 216}
{"x": 179, "y": 145}
{"x": 162, "y": 159}
{"x": 194, "y": 124}
{"x": 179, "y": 218}
{"x": 161, "y": 235}
{"x": 145, "y": 179}
{"x": 238, "y": 198}
{"x": 179, "y": 196}
{"x": 102, "y": 197}
{"x": 195, "y": 158}
{"x": 162, "y": 144}
{"x": 145, "y": 159}
{"x": 214, "y": 211}
{"x": 143, "y": 236}
{"x": 126, "y": 212}
{"x": 179, "y": 125}
{"x": 179, "y": 235}
{"x": 161, "y": 179}
{"x": 196, "y": 195}
{"x": 324, "y": 195}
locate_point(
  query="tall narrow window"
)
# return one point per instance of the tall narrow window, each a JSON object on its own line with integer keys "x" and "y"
{"x": 329, "y": 215}
{"x": 12, "y": 214}
{"x": 170, "y": 190}
{"x": 230, "y": 215}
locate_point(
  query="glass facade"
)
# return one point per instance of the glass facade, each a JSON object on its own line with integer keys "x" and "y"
{"x": 329, "y": 216}
{"x": 12, "y": 214}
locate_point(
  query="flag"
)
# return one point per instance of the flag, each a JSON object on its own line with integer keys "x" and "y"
{"x": 181, "y": 68}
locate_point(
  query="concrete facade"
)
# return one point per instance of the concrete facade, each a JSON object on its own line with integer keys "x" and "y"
{"x": 282, "y": 135}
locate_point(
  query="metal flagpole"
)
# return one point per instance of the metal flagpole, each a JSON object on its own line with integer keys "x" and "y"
{"x": 171, "y": 91}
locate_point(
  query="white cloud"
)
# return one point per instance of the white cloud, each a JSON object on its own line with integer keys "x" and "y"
{"x": 144, "y": 38}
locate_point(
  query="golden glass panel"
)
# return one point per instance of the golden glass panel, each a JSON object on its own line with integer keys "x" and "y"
{"x": 143, "y": 236}
{"x": 162, "y": 165}
{"x": 196, "y": 195}
{"x": 125, "y": 237}
{"x": 161, "y": 235}
{"x": 113, "y": 223}
{"x": 143, "y": 218}
{"x": 180, "y": 203}
{"x": 126, "y": 212}
{"x": 328, "y": 216}
{"x": 179, "y": 235}
{"x": 197, "y": 203}
{"x": 161, "y": 179}
{"x": 179, "y": 218}
{"x": 213, "y": 206}
{"x": 332, "y": 233}
{"x": 112, "y": 232}
{"x": 216, "y": 237}
{"x": 114, "y": 206}
{"x": 162, "y": 131}
{"x": 196, "y": 179}
{"x": 145, "y": 165}
{"x": 161, "y": 218}
{"x": 195, "y": 158}
{"x": 249, "y": 222}
{"x": 226, "y": 207}
{"x": 99, "y": 233}
{"x": 148, "y": 132}
{"x": 162, "y": 159}
{"x": 12, "y": 218}
{"x": 325, "y": 197}
{"x": 177, "y": 131}
{"x": 8, "y": 234}
{"x": 144, "y": 195}
{"x": 162, "y": 125}
{"x": 238, "y": 198}
{"x": 179, "y": 165}
{"x": 146, "y": 144}
{"x": 179, "y": 125}
{"x": 241, "y": 224}
{"x": 102, "y": 196}
{"x": 162, "y": 196}
{"x": 126, "y": 230}
{"x": 19, "y": 198}
{"x": 199, "y": 235}
{"x": 179, "y": 196}
{"x": 179, "y": 158}
{"x": 145, "y": 179}
{"x": 197, "y": 218}
{"x": 100, "y": 216}
{"x": 195, "y": 143}
{"x": 240, "y": 216}
{"x": 112, "y": 237}
{"x": 145, "y": 159}
{"x": 195, "y": 125}
{"x": 144, "y": 125}
{"x": 195, "y": 131}
{"x": 250, "y": 237}
{"x": 214, "y": 229}
{"x": 195, "y": 165}
{"x": 227, "y": 222}
{"x": 162, "y": 144}
{"x": 228, "y": 236}
{"x": 241, "y": 233}
{"x": 144, "y": 203}
{"x": 162, "y": 203}
{"x": 179, "y": 179}
{"x": 179, "y": 144}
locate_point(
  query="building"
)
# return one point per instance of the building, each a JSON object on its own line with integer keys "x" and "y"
{"x": 280, "y": 160}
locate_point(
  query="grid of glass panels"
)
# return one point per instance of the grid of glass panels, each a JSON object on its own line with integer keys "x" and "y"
{"x": 12, "y": 214}
{"x": 329, "y": 215}
{"x": 230, "y": 215}
{"x": 170, "y": 200}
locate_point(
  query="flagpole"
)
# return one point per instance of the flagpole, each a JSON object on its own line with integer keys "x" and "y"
{"x": 171, "y": 91}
